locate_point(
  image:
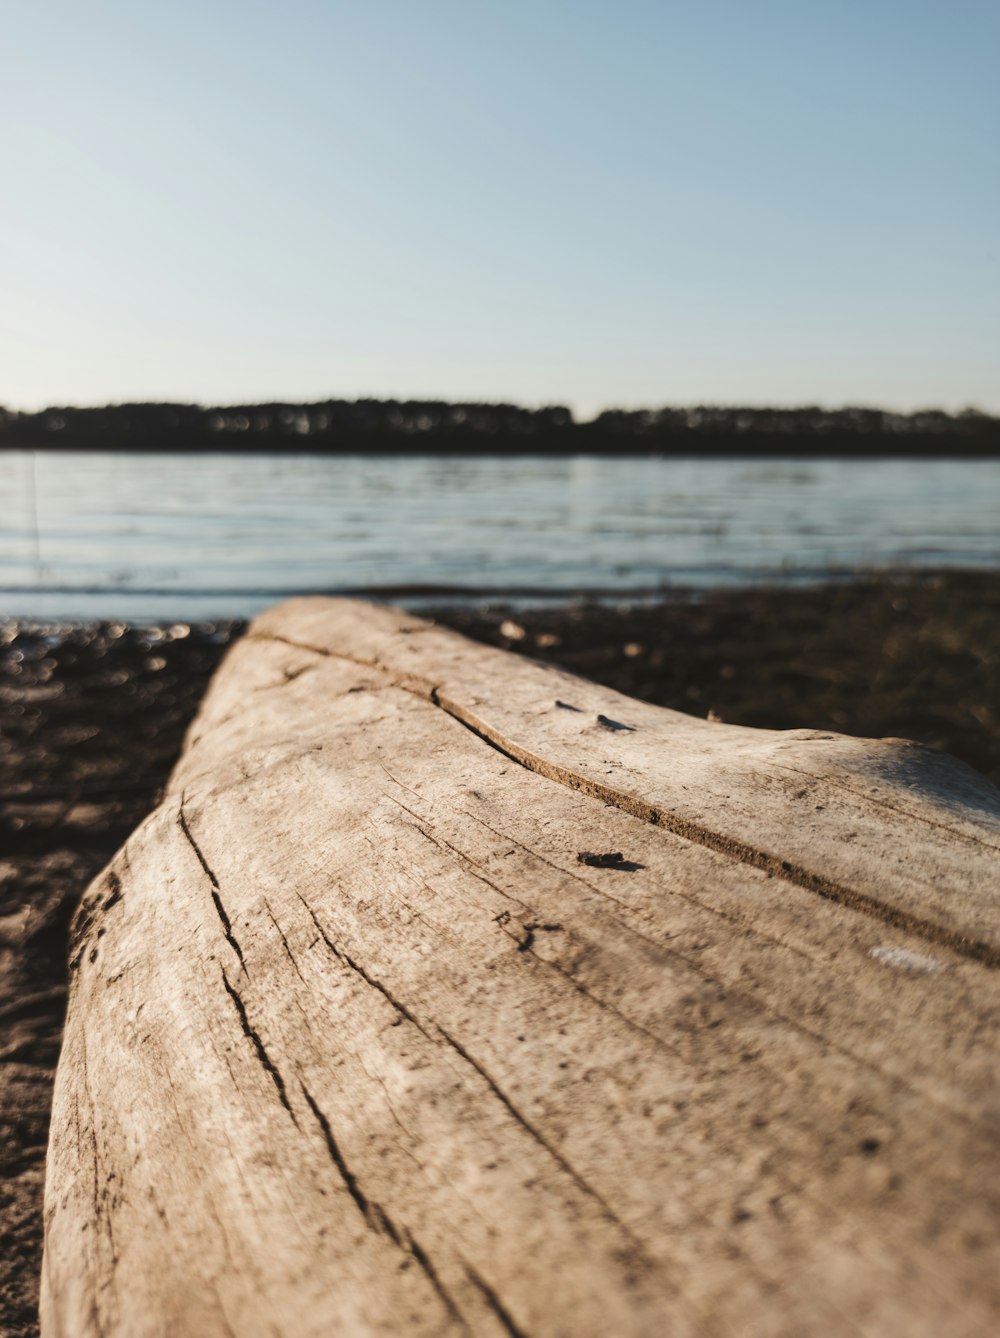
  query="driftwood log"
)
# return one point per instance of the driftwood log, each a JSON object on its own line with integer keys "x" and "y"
{"x": 446, "y": 993}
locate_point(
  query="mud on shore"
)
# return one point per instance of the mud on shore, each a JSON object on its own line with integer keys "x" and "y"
{"x": 92, "y": 718}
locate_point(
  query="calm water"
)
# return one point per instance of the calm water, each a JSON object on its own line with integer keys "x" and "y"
{"x": 146, "y": 537}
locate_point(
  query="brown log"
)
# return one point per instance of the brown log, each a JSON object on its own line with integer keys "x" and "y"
{"x": 446, "y": 993}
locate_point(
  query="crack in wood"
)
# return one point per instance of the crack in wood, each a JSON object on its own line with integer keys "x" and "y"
{"x": 471, "y": 865}
{"x": 731, "y": 847}
{"x": 574, "y": 1175}
{"x": 539, "y": 1138}
{"x": 284, "y": 940}
{"x": 495, "y": 1304}
{"x": 265, "y": 1059}
{"x": 86, "y": 914}
{"x": 735, "y": 849}
{"x": 319, "y": 928}
{"x": 431, "y": 1274}
{"x": 227, "y": 927}
{"x": 115, "y": 885}
{"x": 343, "y": 956}
{"x": 523, "y": 945}
{"x": 350, "y": 1180}
{"x": 385, "y": 992}
{"x": 754, "y": 1003}
{"x": 375, "y": 1216}
{"x": 397, "y": 781}
{"x": 101, "y": 1210}
{"x": 505, "y": 919}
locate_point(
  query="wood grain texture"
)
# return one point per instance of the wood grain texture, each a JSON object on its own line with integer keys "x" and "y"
{"x": 358, "y": 1045}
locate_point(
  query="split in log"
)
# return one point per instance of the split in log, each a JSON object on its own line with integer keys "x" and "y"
{"x": 446, "y": 993}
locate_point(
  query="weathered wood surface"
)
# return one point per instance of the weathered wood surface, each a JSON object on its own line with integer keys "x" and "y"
{"x": 357, "y": 1045}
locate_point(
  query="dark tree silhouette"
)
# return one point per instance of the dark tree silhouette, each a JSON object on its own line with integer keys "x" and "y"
{"x": 399, "y": 426}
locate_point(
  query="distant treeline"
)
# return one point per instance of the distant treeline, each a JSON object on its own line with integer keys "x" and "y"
{"x": 396, "y": 426}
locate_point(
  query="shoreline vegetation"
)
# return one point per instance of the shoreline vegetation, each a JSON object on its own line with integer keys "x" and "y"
{"x": 92, "y": 717}
{"x": 386, "y": 427}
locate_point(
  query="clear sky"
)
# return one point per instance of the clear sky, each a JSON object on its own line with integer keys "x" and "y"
{"x": 573, "y": 201}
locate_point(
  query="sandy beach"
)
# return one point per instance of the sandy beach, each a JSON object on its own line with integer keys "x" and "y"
{"x": 92, "y": 718}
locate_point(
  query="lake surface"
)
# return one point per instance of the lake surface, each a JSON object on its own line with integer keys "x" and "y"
{"x": 147, "y": 537}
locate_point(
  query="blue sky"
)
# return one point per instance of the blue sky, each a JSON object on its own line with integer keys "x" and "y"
{"x": 586, "y": 203}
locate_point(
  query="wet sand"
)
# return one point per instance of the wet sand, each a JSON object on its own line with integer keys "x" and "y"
{"x": 92, "y": 718}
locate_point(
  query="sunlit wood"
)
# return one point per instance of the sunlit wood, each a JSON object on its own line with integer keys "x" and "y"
{"x": 447, "y": 993}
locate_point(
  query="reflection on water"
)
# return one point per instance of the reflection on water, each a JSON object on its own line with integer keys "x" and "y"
{"x": 144, "y": 536}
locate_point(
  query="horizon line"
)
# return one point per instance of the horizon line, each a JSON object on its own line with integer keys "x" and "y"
{"x": 574, "y": 410}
